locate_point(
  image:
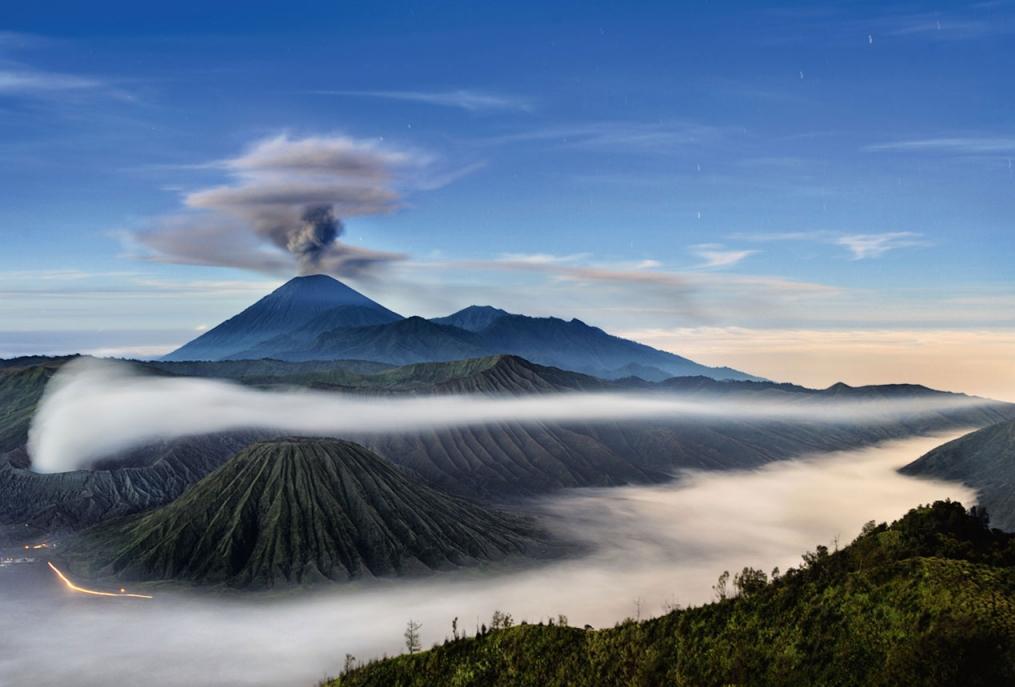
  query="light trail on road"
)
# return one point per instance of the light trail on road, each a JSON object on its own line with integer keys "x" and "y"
{"x": 75, "y": 588}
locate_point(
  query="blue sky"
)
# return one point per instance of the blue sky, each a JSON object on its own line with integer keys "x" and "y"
{"x": 705, "y": 176}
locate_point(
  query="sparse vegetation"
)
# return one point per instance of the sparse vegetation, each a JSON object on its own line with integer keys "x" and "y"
{"x": 929, "y": 600}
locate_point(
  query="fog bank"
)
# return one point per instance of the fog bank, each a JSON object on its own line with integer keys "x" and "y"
{"x": 94, "y": 408}
{"x": 657, "y": 544}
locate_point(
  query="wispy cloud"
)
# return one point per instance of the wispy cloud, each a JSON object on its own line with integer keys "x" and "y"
{"x": 471, "y": 101}
{"x": 860, "y": 246}
{"x": 944, "y": 27}
{"x": 18, "y": 79}
{"x": 875, "y": 245}
{"x": 538, "y": 259}
{"x": 716, "y": 255}
{"x": 959, "y": 145}
{"x": 621, "y": 136}
{"x": 29, "y": 81}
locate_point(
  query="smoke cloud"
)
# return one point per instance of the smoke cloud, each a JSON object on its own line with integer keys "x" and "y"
{"x": 95, "y": 408}
{"x": 283, "y": 208}
{"x": 659, "y": 544}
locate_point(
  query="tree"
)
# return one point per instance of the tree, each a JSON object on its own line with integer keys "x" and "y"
{"x": 820, "y": 554}
{"x": 501, "y": 621}
{"x": 454, "y": 627}
{"x": 721, "y": 587}
{"x": 750, "y": 580}
{"x": 412, "y": 641}
{"x": 350, "y": 664}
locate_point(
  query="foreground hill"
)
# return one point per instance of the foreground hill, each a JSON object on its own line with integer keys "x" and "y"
{"x": 985, "y": 461}
{"x": 928, "y": 601}
{"x": 297, "y": 511}
{"x": 320, "y": 318}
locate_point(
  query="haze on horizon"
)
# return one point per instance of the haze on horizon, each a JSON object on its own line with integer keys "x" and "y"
{"x": 808, "y": 195}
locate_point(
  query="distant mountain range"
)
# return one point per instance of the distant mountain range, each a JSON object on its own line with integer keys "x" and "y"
{"x": 496, "y": 462}
{"x": 299, "y": 511}
{"x": 319, "y": 318}
{"x": 983, "y": 460}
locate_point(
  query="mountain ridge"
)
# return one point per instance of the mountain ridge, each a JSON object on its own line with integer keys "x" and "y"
{"x": 983, "y": 460}
{"x": 277, "y": 328}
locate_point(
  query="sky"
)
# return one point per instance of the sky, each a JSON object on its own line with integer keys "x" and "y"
{"x": 811, "y": 194}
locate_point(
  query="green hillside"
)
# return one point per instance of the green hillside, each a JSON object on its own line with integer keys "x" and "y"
{"x": 928, "y": 601}
{"x": 298, "y": 511}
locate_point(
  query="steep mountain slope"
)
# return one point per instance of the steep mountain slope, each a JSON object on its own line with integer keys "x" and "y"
{"x": 299, "y": 511}
{"x": 284, "y": 310}
{"x": 928, "y": 601}
{"x": 473, "y": 318}
{"x": 574, "y": 345}
{"x": 985, "y": 461}
{"x": 319, "y": 318}
{"x": 412, "y": 340}
{"x": 20, "y": 391}
{"x": 144, "y": 478}
{"x": 344, "y": 316}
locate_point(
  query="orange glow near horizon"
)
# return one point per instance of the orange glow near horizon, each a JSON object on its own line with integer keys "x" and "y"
{"x": 81, "y": 590}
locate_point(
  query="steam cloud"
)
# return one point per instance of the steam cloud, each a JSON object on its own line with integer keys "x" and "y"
{"x": 94, "y": 408}
{"x": 283, "y": 210}
{"x": 659, "y": 544}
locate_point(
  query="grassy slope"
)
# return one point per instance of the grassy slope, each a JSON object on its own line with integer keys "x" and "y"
{"x": 927, "y": 601}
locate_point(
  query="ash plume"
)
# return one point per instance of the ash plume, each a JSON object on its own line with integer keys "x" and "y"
{"x": 316, "y": 233}
{"x": 284, "y": 208}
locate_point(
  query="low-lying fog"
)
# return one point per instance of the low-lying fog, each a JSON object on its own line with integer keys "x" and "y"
{"x": 655, "y": 544}
{"x": 95, "y": 408}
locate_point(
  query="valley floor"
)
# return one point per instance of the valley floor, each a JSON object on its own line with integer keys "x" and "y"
{"x": 653, "y": 546}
